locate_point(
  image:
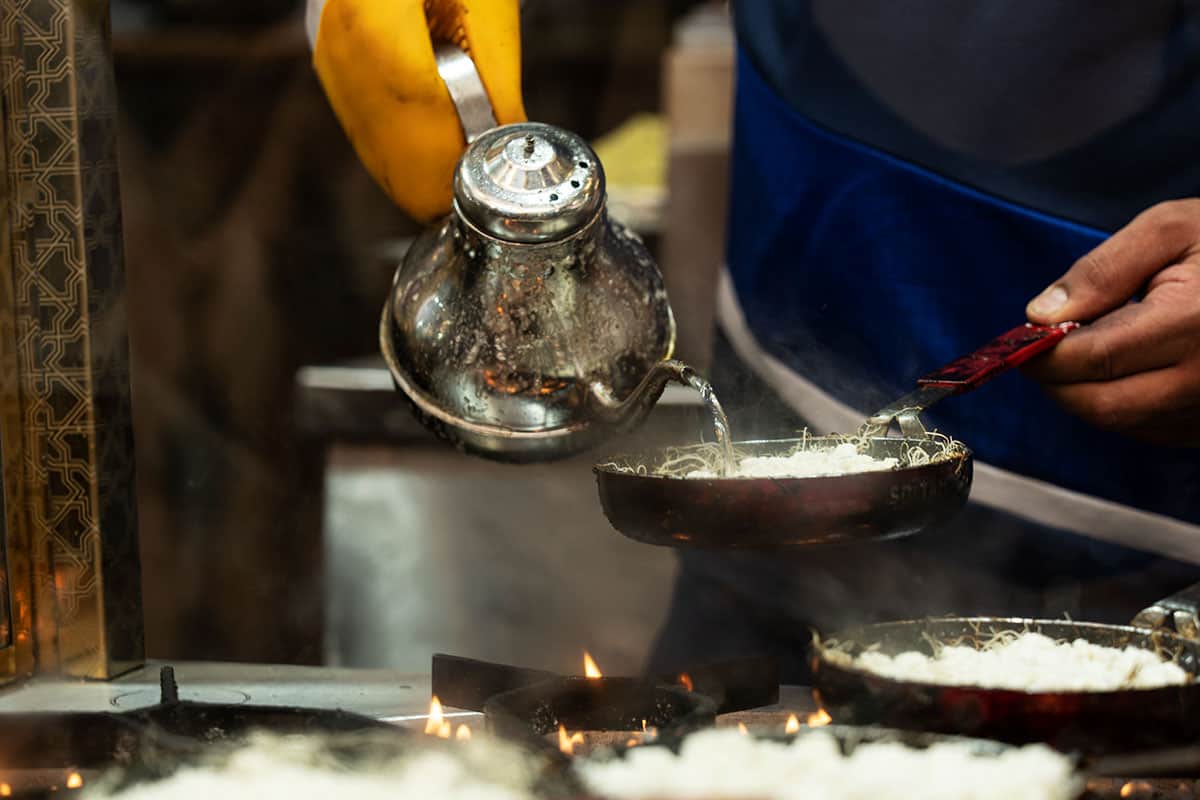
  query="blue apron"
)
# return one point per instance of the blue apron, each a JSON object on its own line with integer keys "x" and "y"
{"x": 861, "y": 272}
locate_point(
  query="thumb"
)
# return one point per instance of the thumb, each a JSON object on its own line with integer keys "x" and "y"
{"x": 1110, "y": 275}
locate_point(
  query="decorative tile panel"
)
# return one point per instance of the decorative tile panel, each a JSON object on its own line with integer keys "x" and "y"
{"x": 69, "y": 507}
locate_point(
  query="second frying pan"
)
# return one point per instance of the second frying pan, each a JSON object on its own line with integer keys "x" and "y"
{"x": 1086, "y": 721}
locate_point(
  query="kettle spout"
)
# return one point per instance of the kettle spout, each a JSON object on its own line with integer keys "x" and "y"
{"x": 622, "y": 415}
{"x": 626, "y": 414}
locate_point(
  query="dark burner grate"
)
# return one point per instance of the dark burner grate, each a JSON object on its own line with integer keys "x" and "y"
{"x": 530, "y": 705}
{"x": 735, "y": 685}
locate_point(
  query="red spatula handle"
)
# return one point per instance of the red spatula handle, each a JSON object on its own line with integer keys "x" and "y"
{"x": 1002, "y": 353}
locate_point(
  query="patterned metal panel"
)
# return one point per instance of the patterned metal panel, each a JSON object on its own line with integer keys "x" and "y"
{"x": 75, "y": 518}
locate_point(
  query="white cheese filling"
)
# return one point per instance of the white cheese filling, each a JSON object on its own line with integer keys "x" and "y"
{"x": 842, "y": 459}
{"x": 1031, "y": 662}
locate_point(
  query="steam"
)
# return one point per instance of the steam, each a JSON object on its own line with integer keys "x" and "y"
{"x": 361, "y": 765}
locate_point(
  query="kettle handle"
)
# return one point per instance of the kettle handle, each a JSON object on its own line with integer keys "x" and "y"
{"x": 466, "y": 90}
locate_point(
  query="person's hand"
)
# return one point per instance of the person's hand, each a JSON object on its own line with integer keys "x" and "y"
{"x": 375, "y": 61}
{"x": 1136, "y": 367}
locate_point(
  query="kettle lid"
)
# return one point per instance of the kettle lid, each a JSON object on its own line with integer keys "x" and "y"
{"x": 529, "y": 182}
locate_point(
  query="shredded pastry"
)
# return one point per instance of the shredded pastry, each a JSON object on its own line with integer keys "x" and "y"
{"x": 724, "y": 765}
{"x": 1028, "y": 662}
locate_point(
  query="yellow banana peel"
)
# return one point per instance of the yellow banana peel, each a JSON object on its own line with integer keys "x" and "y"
{"x": 375, "y": 60}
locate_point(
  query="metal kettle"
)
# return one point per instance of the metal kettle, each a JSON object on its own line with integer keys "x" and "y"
{"x": 527, "y": 325}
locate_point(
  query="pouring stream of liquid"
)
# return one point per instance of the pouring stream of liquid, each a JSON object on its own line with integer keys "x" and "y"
{"x": 720, "y": 422}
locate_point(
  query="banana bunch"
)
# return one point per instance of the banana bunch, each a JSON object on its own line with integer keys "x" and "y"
{"x": 375, "y": 61}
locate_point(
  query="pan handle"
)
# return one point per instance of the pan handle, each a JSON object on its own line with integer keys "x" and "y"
{"x": 1008, "y": 350}
{"x": 1180, "y": 611}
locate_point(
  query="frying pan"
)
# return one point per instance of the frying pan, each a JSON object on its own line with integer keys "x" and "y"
{"x": 1089, "y": 722}
{"x": 785, "y": 513}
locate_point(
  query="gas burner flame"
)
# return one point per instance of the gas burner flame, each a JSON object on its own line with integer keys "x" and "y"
{"x": 74, "y": 781}
{"x": 437, "y": 724}
{"x": 686, "y": 682}
{"x": 818, "y": 719}
{"x": 5, "y": 790}
{"x": 590, "y": 670}
{"x": 567, "y": 743}
{"x": 463, "y": 733}
{"x": 742, "y": 729}
{"x": 793, "y": 725}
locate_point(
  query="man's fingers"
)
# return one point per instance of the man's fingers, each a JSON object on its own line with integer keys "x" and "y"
{"x": 1115, "y": 271}
{"x": 1154, "y": 333}
{"x": 1138, "y": 402}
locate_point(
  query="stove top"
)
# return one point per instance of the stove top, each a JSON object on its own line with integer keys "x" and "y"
{"x": 382, "y": 694}
{"x": 56, "y": 736}
{"x": 401, "y": 699}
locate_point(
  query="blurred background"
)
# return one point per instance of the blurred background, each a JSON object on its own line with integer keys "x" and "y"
{"x": 291, "y": 509}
